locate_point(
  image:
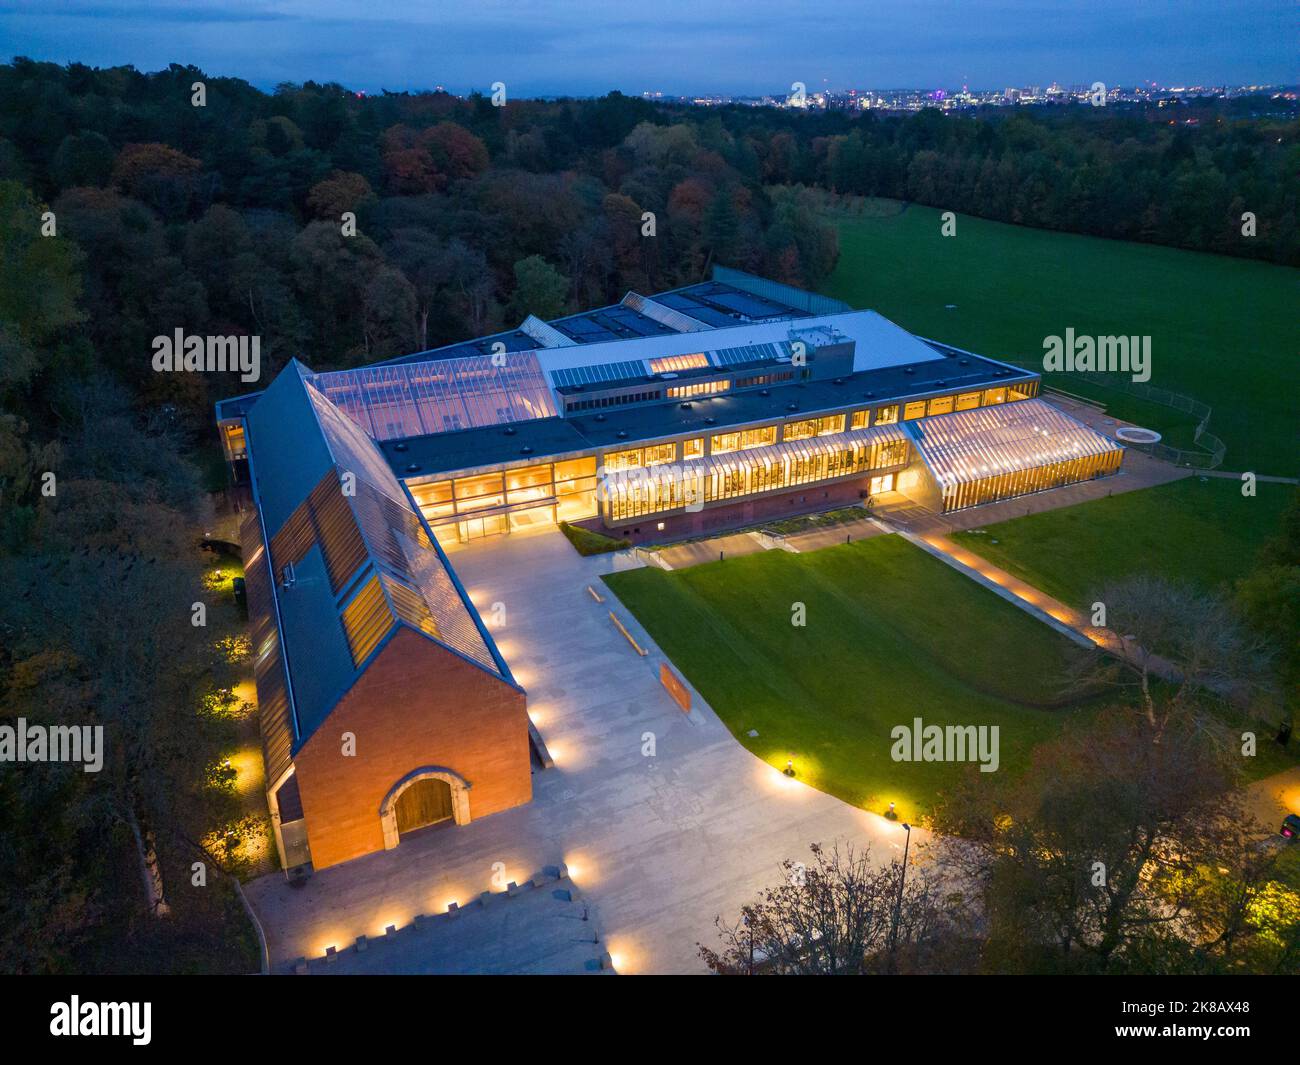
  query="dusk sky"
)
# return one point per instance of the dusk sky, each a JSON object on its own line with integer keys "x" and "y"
{"x": 586, "y": 47}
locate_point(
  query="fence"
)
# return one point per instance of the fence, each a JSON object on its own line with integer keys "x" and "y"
{"x": 1214, "y": 449}
{"x": 1211, "y": 458}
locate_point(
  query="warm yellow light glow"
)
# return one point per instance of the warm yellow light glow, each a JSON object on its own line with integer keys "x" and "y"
{"x": 582, "y": 868}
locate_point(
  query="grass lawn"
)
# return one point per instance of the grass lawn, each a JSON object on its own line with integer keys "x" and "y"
{"x": 891, "y": 634}
{"x": 1222, "y": 329}
{"x": 1207, "y": 533}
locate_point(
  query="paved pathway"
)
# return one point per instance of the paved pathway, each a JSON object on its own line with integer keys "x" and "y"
{"x": 660, "y": 845}
{"x": 695, "y": 552}
{"x": 1272, "y": 798}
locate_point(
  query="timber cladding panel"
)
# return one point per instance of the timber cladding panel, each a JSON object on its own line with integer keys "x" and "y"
{"x": 417, "y": 704}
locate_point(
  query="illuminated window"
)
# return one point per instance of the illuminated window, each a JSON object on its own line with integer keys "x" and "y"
{"x": 433, "y": 498}
{"x": 235, "y": 446}
{"x": 672, "y": 363}
{"x": 693, "y": 448}
{"x": 915, "y": 409}
{"x": 941, "y": 405}
{"x": 721, "y": 443}
{"x": 887, "y": 415}
{"x": 994, "y": 395}
{"x": 624, "y": 460}
{"x": 802, "y": 430}
{"x": 528, "y": 484}
{"x": 657, "y": 454}
{"x": 741, "y": 472}
{"x": 572, "y": 468}
{"x": 883, "y": 483}
{"x": 366, "y": 620}
{"x": 967, "y": 400}
{"x": 860, "y": 420}
{"x": 704, "y": 388}
{"x": 1024, "y": 389}
{"x": 476, "y": 493}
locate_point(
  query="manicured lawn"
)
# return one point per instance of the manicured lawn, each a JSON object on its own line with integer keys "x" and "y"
{"x": 1207, "y": 533}
{"x": 1222, "y": 329}
{"x": 891, "y": 634}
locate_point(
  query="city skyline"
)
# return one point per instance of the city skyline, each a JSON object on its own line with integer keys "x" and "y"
{"x": 586, "y": 49}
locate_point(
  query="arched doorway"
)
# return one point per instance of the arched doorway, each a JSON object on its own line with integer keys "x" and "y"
{"x": 423, "y": 797}
{"x": 426, "y": 802}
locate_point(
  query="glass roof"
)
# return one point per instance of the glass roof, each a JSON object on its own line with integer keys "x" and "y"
{"x": 1020, "y": 435}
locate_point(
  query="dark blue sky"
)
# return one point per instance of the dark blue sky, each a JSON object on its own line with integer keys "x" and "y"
{"x": 676, "y": 46}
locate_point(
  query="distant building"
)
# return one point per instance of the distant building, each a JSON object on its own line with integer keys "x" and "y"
{"x": 711, "y": 406}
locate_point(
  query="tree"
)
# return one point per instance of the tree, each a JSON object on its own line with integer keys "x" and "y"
{"x": 84, "y": 158}
{"x": 1113, "y": 853}
{"x": 540, "y": 289}
{"x": 1173, "y": 632}
{"x": 40, "y": 284}
{"x": 427, "y": 266}
{"x": 158, "y": 175}
{"x": 339, "y": 192}
{"x": 834, "y": 916}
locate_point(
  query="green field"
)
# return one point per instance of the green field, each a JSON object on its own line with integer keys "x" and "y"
{"x": 1205, "y": 532}
{"x": 1222, "y": 329}
{"x": 891, "y": 634}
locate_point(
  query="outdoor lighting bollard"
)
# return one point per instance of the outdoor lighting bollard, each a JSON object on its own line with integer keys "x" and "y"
{"x": 789, "y": 767}
{"x": 891, "y": 813}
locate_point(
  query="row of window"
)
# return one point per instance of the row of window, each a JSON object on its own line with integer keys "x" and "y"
{"x": 703, "y": 388}
{"x": 1035, "y": 479}
{"x": 808, "y": 428}
{"x": 764, "y": 379}
{"x": 638, "y": 497}
{"x": 673, "y": 363}
{"x": 572, "y": 484}
{"x": 613, "y": 401}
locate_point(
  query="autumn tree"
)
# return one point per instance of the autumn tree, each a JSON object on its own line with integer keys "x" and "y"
{"x": 838, "y": 915}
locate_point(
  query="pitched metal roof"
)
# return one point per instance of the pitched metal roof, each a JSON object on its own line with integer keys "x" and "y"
{"x": 340, "y": 559}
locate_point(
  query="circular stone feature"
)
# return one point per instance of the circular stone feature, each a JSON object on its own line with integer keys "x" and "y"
{"x": 1131, "y": 434}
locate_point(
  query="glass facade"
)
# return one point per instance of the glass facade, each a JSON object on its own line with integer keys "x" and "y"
{"x": 746, "y": 473}
{"x": 671, "y": 363}
{"x": 810, "y": 427}
{"x": 739, "y": 463}
{"x": 704, "y": 388}
{"x": 721, "y": 443}
{"x": 1000, "y": 452}
{"x": 465, "y": 508}
{"x": 442, "y": 395}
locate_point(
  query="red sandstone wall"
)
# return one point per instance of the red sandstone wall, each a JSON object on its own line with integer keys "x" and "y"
{"x": 417, "y": 704}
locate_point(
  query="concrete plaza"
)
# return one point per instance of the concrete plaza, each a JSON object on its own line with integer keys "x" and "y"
{"x": 659, "y": 844}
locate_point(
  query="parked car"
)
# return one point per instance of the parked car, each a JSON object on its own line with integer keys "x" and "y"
{"x": 1291, "y": 827}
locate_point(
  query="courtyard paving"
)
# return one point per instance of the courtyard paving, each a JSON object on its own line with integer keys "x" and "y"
{"x": 660, "y": 844}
